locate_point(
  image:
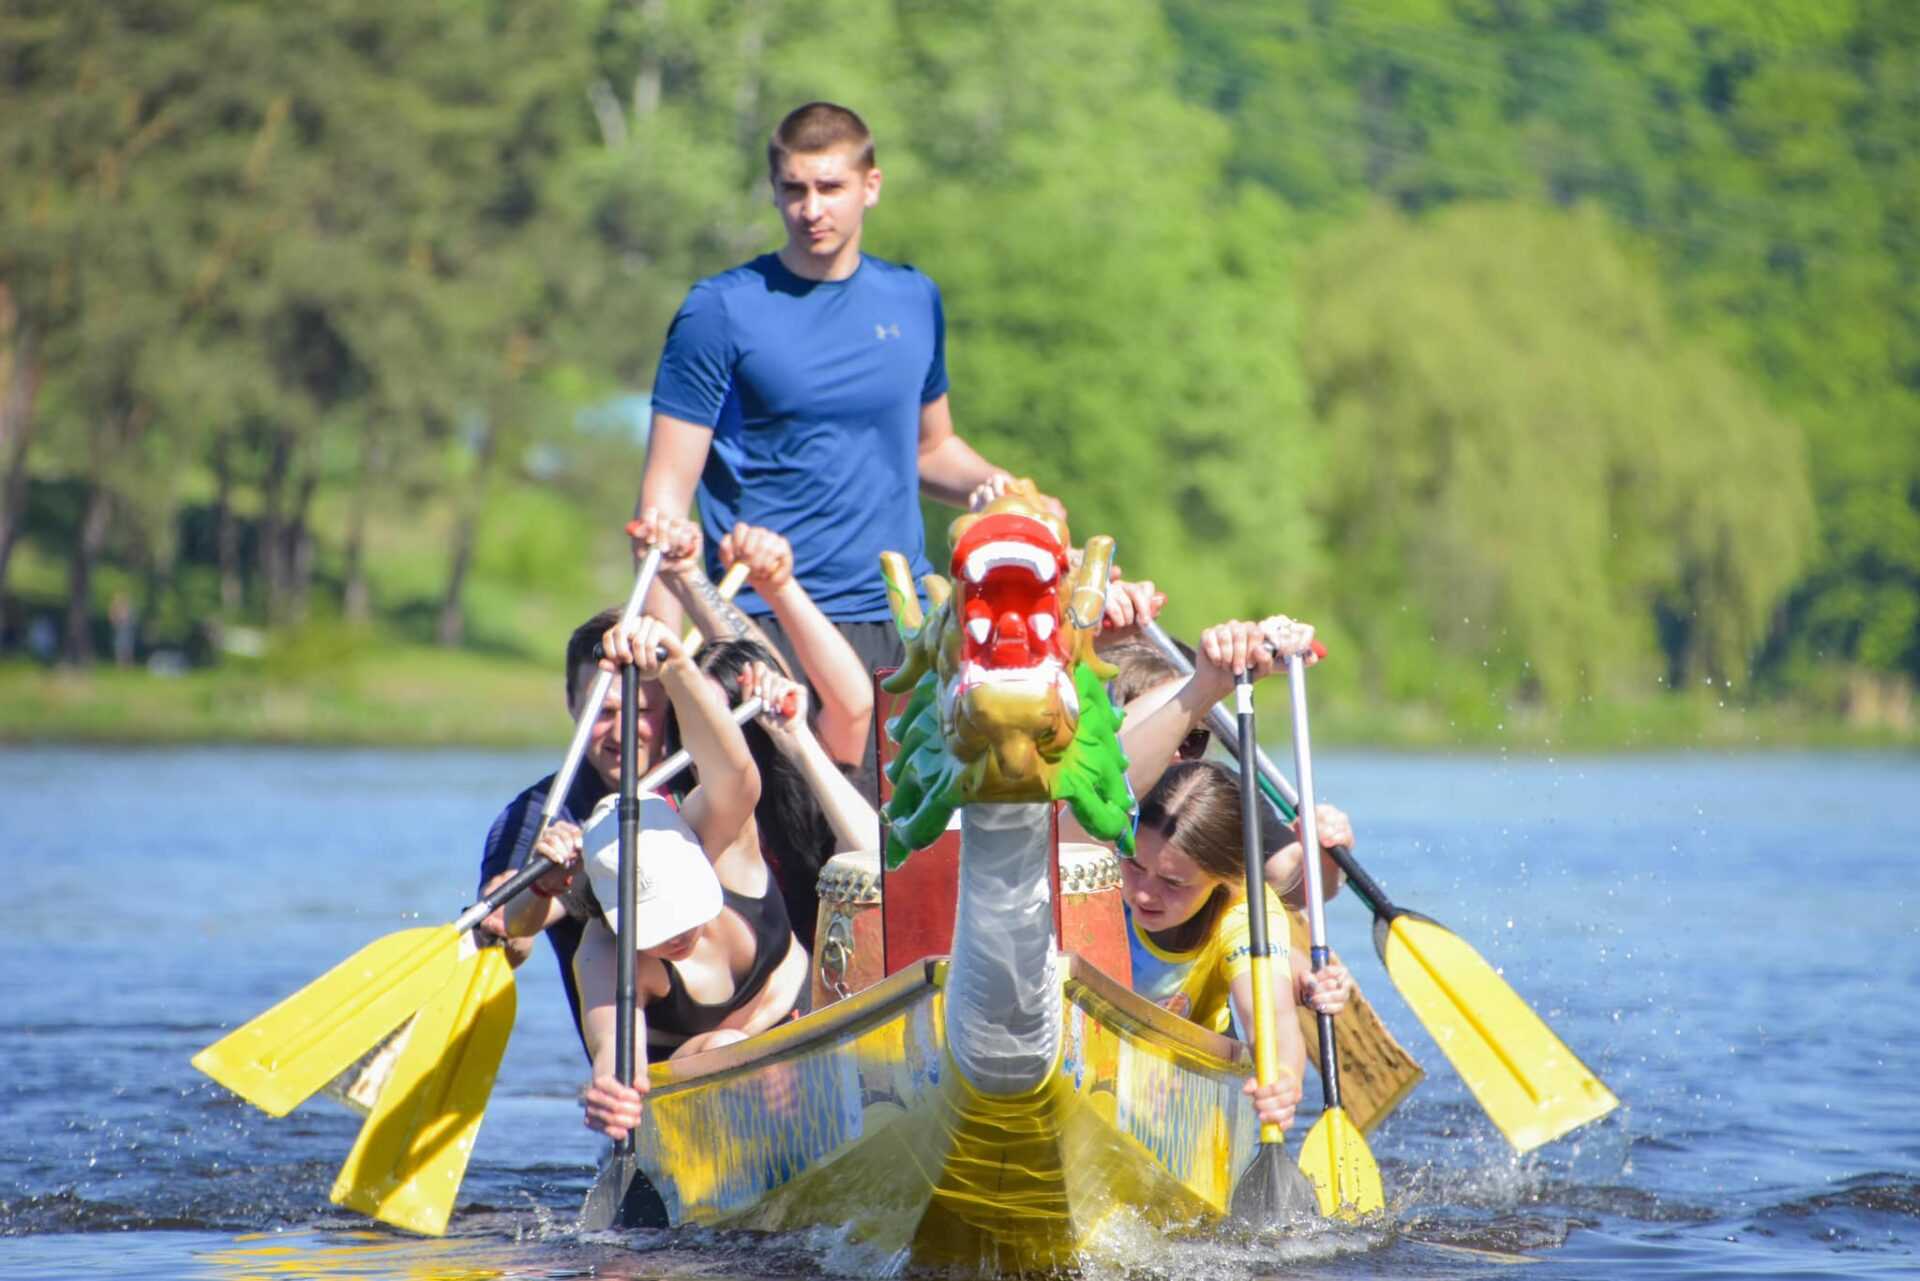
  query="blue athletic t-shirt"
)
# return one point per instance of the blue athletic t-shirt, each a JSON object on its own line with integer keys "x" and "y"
{"x": 813, "y": 389}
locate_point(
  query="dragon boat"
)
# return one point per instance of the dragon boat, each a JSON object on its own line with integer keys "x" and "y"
{"x": 977, "y": 1087}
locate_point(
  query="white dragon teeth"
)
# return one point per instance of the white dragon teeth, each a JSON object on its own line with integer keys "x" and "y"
{"x": 1042, "y": 625}
{"x": 978, "y": 629}
{"x": 995, "y": 555}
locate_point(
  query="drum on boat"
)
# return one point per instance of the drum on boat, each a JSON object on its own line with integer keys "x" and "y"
{"x": 852, "y": 949}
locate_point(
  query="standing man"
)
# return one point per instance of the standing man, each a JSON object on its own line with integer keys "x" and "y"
{"x": 806, "y": 392}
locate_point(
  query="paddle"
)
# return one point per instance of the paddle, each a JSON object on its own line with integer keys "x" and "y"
{"x": 406, "y": 1166}
{"x": 1334, "y": 1156}
{"x": 1271, "y": 1190}
{"x": 615, "y": 1180}
{"x": 277, "y": 1060}
{"x": 1525, "y": 1078}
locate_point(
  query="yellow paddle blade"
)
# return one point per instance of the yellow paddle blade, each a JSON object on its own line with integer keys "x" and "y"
{"x": 1524, "y": 1076}
{"x": 279, "y": 1059}
{"x": 1337, "y": 1161}
{"x": 406, "y": 1166}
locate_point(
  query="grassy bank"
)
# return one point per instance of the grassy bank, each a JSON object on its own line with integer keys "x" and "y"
{"x": 397, "y": 694}
{"x": 411, "y": 696}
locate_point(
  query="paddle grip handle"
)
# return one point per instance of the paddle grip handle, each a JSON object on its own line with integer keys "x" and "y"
{"x": 536, "y": 868}
{"x": 600, "y": 652}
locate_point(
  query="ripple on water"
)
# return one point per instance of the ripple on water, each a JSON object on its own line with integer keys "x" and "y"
{"x": 1686, "y": 982}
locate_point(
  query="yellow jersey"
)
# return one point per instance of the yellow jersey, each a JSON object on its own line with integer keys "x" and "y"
{"x": 1197, "y": 984}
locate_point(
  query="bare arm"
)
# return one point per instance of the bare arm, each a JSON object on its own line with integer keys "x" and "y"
{"x": 1286, "y": 1033}
{"x": 842, "y": 682}
{"x": 611, "y": 1108}
{"x": 855, "y": 824}
{"x": 717, "y": 617}
{"x": 729, "y": 787}
{"x": 950, "y": 469}
{"x": 676, "y": 455}
{"x": 1151, "y": 741}
{"x": 1285, "y": 872}
{"x": 833, "y": 669}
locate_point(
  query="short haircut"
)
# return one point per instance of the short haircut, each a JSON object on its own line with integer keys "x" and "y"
{"x": 1142, "y": 667}
{"x": 819, "y": 126}
{"x": 585, "y": 637}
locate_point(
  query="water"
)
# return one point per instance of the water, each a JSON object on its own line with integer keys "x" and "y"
{"x": 1733, "y": 943}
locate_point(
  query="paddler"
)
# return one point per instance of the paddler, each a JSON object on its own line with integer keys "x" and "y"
{"x": 717, "y": 958}
{"x": 805, "y": 391}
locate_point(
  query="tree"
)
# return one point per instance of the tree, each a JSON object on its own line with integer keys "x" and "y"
{"x": 1764, "y": 155}
{"x": 1526, "y": 449}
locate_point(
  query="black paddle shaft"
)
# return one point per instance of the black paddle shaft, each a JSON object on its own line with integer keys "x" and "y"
{"x": 624, "y": 976}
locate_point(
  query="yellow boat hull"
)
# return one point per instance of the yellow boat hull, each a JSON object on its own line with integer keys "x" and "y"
{"x": 856, "y": 1117}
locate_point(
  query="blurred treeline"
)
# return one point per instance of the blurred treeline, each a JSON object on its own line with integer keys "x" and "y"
{"x": 1549, "y": 353}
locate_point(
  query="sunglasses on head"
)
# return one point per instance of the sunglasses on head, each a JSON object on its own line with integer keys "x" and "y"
{"x": 1194, "y": 745}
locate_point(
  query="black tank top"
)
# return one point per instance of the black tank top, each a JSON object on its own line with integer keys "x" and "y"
{"x": 676, "y": 1018}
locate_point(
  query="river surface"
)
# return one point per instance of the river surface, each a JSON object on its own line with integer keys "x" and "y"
{"x": 1731, "y": 942}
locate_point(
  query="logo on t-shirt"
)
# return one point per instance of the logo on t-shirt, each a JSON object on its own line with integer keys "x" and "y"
{"x": 884, "y": 332}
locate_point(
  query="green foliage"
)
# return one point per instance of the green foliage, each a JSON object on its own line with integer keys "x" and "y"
{"x": 1765, "y": 156}
{"x": 1526, "y": 449}
{"x": 320, "y": 292}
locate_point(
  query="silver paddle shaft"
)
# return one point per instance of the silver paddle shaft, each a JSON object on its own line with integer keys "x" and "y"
{"x": 590, "y": 711}
{"x": 1309, "y": 831}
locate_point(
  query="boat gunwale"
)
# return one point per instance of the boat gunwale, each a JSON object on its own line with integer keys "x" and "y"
{"x": 788, "y": 1040}
{"x": 901, "y": 988}
{"x": 1130, "y": 1006}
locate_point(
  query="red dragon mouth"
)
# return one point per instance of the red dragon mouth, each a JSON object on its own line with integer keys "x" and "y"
{"x": 1009, "y": 568}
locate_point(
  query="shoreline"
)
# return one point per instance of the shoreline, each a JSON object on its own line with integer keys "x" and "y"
{"x": 422, "y": 698}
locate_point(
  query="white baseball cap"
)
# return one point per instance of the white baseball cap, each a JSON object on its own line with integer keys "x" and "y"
{"x": 677, "y": 888}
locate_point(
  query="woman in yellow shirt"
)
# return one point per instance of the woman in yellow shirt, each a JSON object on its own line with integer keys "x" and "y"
{"x": 1187, "y": 920}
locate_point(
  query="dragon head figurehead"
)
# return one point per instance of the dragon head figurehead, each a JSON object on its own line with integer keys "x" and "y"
{"x": 1008, "y": 698}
